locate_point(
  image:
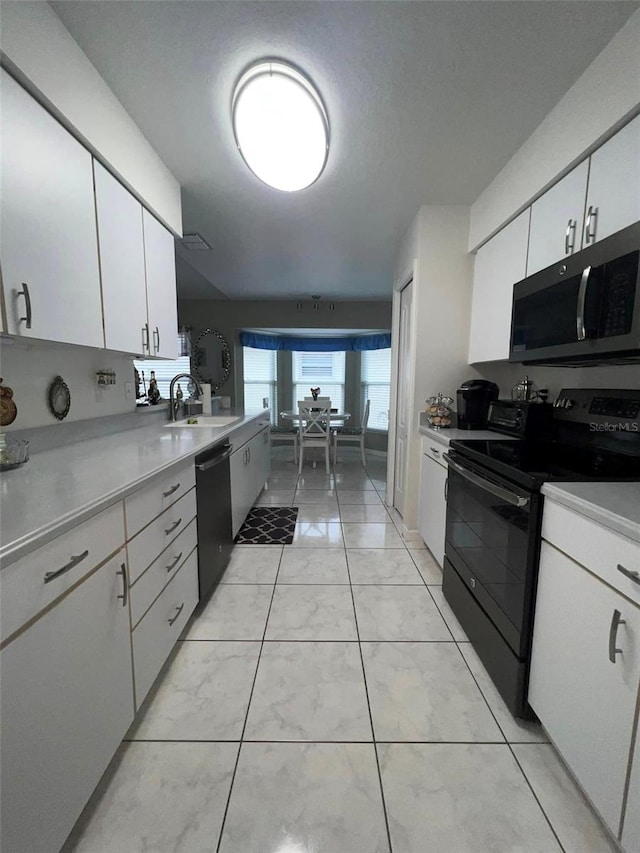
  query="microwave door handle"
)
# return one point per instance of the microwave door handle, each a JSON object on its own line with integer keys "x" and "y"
{"x": 582, "y": 295}
{"x": 504, "y": 494}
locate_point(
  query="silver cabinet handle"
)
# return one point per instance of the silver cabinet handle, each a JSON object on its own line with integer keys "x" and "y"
{"x": 156, "y": 335}
{"x": 249, "y": 460}
{"x": 125, "y": 585}
{"x": 172, "y": 566}
{"x": 570, "y": 246}
{"x": 434, "y": 451}
{"x": 629, "y": 573}
{"x": 173, "y": 527}
{"x": 582, "y": 294}
{"x": 216, "y": 460}
{"x": 27, "y": 302}
{"x": 178, "y": 612}
{"x": 145, "y": 339}
{"x": 73, "y": 562}
{"x": 616, "y": 620}
{"x": 504, "y": 494}
{"x": 171, "y": 490}
{"x": 589, "y": 232}
{"x": 446, "y": 489}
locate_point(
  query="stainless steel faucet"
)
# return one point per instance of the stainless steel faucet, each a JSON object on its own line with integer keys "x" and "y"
{"x": 172, "y": 401}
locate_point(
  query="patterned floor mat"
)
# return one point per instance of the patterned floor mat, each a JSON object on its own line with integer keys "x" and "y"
{"x": 268, "y": 525}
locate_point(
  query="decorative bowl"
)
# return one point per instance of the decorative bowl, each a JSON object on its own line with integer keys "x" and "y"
{"x": 13, "y": 453}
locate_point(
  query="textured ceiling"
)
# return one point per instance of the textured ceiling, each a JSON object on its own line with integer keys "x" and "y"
{"x": 427, "y": 101}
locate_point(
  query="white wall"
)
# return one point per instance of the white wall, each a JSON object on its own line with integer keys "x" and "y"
{"x": 600, "y": 101}
{"x": 44, "y": 56}
{"x": 437, "y": 240}
{"x": 28, "y": 369}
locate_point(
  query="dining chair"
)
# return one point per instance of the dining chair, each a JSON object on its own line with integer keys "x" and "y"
{"x": 315, "y": 428}
{"x": 353, "y": 435}
{"x": 285, "y": 433}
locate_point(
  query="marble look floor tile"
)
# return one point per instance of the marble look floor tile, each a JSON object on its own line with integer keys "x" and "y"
{"x": 298, "y": 798}
{"x": 234, "y": 612}
{"x": 313, "y": 565}
{"x": 427, "y": 566}
{"x": 319, "y": 512}
{"x": 311, "y": 692}
{"x": 282, "y": 480}
{"x": 514, "y": 730}
{"x": 318, "y": 534}
{"x": 315, "y": 496}
{"x": 398, "y": 613}
{"x": 447, "y": 614}
{"x": 318, "y": 479}
{"x": 162, "y": 797}
{"x": 253, "y": 564}
{"x": 413, "y": 540}
{"x": 577, "y": 827}
{"x": 364, "y": 512}
{"x": 365, "y": 535}
{"x": 380, "y": 485}
{"x": 460, "y": 798}
{"x": 204, "y": 695}
{"x": 275, "y": 497}
{"x": 382, "y": 565}
{"x": 309, "y": 612}
{"x": 424, "y": 692}
{"x": 358, "y": 496}
{"x": 354, "y": 482}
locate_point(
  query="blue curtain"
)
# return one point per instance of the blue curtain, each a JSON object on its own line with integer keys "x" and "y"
{"x": 358, "y": 343}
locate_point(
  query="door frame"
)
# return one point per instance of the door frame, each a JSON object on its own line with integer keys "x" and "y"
{"x": 408, "y": 276}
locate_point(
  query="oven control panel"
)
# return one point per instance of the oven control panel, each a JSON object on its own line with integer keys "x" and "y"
{"x": 599, "y": 406}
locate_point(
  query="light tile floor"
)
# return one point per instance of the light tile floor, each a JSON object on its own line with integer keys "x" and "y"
{"x": 326, "y": 699}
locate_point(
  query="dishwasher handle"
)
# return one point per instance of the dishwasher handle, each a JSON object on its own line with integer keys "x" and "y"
{"x": 217, "y": 459}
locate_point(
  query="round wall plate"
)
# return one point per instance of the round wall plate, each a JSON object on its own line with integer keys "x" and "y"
{"x": 59, "y": 398}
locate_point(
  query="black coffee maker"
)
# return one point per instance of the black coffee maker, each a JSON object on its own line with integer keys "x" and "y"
{"x": 474, "y": 398}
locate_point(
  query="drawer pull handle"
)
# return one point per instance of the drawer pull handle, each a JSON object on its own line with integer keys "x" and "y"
{"x": 172, "y": 566}
{"x": 434, "y": 451}
{"x": 178, "y": 612}
{"x": 171, "y": 490}
{"x": 616, "y": 620}
{"x": 629, "y": 573}
{"x": 173, "y": 527}
{"x": 27, "y": 301}
{"x": 49, "y": 576}
{"x": 125, "y": 593}
{"x": 570, "y": 246}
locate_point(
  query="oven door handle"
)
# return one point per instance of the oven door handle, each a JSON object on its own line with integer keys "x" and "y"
{"x": 506, "y": 495}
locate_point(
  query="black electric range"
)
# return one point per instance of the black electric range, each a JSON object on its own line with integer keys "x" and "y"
{"x": 494, "y": 513}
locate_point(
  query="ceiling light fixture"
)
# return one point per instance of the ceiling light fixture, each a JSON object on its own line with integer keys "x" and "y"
{"x": 280, "y": 125}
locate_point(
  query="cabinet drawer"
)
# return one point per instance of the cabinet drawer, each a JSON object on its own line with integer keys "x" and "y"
{"x": 151, "y": 583}
{"x": 434, "y": 450}
{"x": 26, "y": 589}
{"x": 147, "y": 503}
{"x": 145, "y": 547}
{"x": 599, "y": 549}
{"x": 157, "y": 633}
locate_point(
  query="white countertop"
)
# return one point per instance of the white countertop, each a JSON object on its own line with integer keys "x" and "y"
{"x": 615, "y": 505}
{"x": 59, "y": 488}
{"x": 444, "y": 436}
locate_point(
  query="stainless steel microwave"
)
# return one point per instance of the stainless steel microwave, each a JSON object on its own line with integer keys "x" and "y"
{"x": 583, "y": 310}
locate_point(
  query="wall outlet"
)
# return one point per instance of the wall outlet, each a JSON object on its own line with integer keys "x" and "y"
{"x": 128, "y": 390}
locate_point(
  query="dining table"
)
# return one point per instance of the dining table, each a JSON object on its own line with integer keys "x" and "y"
{"x": 336, "y": 418}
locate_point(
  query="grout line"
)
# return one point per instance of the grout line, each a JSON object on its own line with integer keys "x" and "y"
{"x": 535, "y": 796}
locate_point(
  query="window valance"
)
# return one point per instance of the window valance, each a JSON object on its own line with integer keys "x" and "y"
{"x": 356, "y": 343}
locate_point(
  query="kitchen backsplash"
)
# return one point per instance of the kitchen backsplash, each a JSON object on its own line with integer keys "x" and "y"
{"x": 29, "y": 368}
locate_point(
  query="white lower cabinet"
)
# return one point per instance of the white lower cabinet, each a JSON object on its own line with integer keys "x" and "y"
{"x": 157, "y": 633}
{"x": 585, "y": 671}
{"x": 631, "y": 827}
{"x": 67, "y": 702}
{"x": 250, "y": 466}
{"x": 433, "y": 502}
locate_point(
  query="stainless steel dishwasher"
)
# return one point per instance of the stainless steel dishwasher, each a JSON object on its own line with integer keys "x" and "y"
{"x": 213, "y": 498}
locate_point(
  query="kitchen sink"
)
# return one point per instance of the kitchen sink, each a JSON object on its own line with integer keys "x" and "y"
{"x": 206, "y": 421}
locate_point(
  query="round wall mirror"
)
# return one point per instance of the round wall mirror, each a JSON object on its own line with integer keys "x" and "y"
{"x": 211, "y": 358}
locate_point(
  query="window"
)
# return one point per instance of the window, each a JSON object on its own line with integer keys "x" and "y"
{"x": 375, "y": 377}
{"x": 165, "y": 371}
{"x": 260, "y": 378}
{"x": 324, "y": 370}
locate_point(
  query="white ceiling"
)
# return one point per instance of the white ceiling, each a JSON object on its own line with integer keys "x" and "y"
{"x": 427, "y": 101}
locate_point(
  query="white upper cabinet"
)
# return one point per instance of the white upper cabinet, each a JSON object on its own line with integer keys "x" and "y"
{"x": 49, "y": 249}
{"x": 124, "y": 294}
{"x": 499, "y": 264}
{"x": 613, "y": 198}
{"x": 557, "y": 220}
{"x": 160, "y": 261}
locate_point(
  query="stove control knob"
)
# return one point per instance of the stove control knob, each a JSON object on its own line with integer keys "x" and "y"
{"x": 569, "y": 404}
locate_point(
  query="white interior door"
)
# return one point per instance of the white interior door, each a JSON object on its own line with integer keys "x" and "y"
{"x": 402, "y": 409}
